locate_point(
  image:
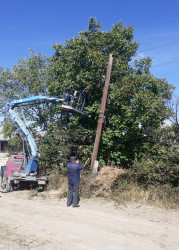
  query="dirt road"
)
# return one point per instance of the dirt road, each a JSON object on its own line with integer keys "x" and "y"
{"x": 46, "y": 223}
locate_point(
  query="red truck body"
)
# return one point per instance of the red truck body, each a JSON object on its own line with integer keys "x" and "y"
{"x": 14, "y": 164}
{"x": 14, "y": 175}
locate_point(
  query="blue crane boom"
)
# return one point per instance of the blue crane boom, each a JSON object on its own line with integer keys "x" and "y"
{"x": 22, "y": 126}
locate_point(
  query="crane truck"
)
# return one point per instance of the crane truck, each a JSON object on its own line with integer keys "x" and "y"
{"x": 19, "y": 168}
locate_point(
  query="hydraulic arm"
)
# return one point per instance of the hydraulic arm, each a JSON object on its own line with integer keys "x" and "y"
{"x": 22, "y": 126}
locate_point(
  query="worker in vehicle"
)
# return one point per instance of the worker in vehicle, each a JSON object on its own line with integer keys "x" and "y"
{"x": 74, "y": 168}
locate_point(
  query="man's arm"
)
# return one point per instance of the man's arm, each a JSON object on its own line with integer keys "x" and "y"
{"x": 80, "y": 167}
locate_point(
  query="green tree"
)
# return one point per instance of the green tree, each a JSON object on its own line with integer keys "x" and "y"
{"x": 136, "y": 104}
{"x": 160, "y": 164}
{"x": 27, "y": 78}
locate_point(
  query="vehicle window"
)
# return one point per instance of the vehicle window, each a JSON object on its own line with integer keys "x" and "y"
{"x": 17, "y": 162}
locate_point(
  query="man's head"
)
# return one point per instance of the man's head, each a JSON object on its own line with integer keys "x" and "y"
{"x": 73, "y": 159}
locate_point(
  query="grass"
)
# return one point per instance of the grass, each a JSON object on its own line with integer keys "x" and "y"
{"x": 59, "y": 182}
{"x": 161, "y": 196}
{"x": 33, "y": 193}
{"x": 113, "y": 184}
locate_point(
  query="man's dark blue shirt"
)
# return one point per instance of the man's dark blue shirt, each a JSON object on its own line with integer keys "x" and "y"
{"x": 74, "y": 172}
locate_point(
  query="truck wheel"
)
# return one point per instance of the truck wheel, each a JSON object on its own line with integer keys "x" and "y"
{"x": 9, "y": 186}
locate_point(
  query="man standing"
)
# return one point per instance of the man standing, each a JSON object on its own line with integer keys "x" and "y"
{"x": 73, "y": 168}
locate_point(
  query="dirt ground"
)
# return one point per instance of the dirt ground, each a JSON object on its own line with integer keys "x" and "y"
{"x": 44, "y": 222}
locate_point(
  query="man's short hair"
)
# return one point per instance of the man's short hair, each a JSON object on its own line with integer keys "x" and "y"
{"x": 73, "y": 158}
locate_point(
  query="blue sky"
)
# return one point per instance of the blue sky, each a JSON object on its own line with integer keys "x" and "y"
{"x": 38, "y": 24}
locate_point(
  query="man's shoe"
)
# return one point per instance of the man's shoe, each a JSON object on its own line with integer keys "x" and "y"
{"x": 77, "y": 206}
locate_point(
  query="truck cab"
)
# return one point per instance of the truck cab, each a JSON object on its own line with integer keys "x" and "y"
{"x": 14, "y": 164}
{"x": 15, "y": 176}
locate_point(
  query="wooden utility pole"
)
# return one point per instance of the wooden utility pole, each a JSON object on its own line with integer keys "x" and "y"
{"x": 101, "y": 113}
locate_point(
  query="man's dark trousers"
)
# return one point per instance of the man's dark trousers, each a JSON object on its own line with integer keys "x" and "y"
{"x": 73, "y": 195}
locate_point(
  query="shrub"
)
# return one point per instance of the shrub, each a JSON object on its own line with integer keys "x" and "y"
{"x": 147, "y": 173}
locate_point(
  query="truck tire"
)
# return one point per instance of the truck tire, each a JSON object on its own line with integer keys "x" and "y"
{"x": 9, "y": 185}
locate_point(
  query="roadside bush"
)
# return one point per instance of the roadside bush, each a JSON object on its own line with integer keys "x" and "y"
{"x": 57, "y": 179}
{"x": 125, "y": 191}
{"x": 147, "y": 173}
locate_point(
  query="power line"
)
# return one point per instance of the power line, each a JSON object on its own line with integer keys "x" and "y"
{"x": 159, "y": 46}
{"x": 167, "y": 63}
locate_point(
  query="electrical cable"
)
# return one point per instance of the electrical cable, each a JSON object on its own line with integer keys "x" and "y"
{"x": 167, "y": 63}
{"x": 158, "y": 46}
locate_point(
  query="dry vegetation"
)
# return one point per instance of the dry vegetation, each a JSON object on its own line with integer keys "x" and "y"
{"x": 103, "y": 182}
{"x": 112, "y": 183}
{"x": 155, "y": 196}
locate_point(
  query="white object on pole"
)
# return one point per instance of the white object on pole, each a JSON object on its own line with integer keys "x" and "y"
{"x": 95, "y": 167}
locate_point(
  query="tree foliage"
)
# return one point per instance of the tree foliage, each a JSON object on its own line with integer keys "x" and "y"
{"x": 160, "y": 164}
{"x": 136, "y": 101}
{"x": 136, "y": 104}
{"x": 27, "y": 78}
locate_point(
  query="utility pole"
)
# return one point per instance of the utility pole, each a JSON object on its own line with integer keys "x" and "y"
{"x": 101, "y": 117}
